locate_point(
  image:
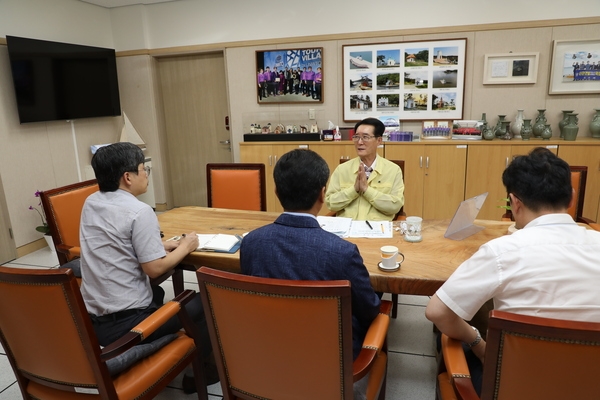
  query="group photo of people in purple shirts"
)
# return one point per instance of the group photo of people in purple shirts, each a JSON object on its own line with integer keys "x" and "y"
{"x": 289, "y": 76}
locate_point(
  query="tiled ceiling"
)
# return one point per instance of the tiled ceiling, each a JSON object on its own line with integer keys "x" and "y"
{"x": 122, "y": 3}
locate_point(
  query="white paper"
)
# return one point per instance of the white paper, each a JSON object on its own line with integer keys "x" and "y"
{"x": 499, "y": 69}
{"x": 336, "y": 225}
{"x": 381, "y": 229}
{"x": 219, "y": 241}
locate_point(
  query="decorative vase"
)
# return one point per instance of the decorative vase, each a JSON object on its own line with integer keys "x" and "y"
{"x": 595, "y": 124}
{"x": 49, "y": 242}
{"x": 547, "y": 132}
{"x": 515, "y": 127}
{"x": 526, "y": 129}
{"x": 498, "y": 126}
{"x": 540, "y": 123}
{"x": 564, "y": 121}
{"x": 487, "y": 132}
{"x": 505, "y": 130}
{"x": 571, "y": 129}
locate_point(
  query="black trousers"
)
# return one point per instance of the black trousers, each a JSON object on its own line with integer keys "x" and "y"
{"x": 111, "y": 327}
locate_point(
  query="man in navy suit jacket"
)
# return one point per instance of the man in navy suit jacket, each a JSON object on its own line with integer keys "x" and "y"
{"x": 296, "y": 247}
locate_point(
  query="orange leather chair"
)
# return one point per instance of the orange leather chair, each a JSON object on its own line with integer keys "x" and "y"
{"x": 527, "y": 358}
{"x": 47, "y": 335}
{"x": 62, "y": 207}
{"x": 284, "y": 339}
{"x": 238, "y": 186}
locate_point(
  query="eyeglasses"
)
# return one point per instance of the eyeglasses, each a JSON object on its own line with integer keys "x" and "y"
{"x": 363, "y": 138}
{"x": 147, "y": 168}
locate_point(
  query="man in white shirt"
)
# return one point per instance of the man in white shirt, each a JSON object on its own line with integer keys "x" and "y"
{"x": 548, "y": 268}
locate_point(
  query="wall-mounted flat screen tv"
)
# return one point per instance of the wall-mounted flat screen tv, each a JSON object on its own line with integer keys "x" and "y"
{"x": 61, "y": 81}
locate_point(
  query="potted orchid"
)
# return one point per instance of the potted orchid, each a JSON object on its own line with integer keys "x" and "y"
{"x": 44, "y": 228}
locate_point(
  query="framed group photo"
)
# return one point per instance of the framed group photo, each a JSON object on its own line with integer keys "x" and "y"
{"x": 289, "y": 76}
{"x": 405, "y": 80}
{"x": 510, "y": 68}
{"x": 575, "y": 67}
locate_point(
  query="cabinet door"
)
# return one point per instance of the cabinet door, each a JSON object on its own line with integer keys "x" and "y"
{"x": 485, "y": 165}
{"x": 588, "y": 155}
{"x": 413, "y": 156}
{"x": 333, "y": 153}
{"x": 444, "y": 180}
{"x": 263, "y": 154}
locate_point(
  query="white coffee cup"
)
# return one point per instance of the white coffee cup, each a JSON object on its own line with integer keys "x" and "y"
{"x": 412, "y": 229}
{"x": 389, "y": 257}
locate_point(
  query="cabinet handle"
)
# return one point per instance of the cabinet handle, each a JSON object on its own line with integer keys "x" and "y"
{"x": 427, "y": 162}
{"x": 270, "y": 164}
{"x": 274, "y": 159}
{"x": 506, "y": 166}
{"x": 420, "y": 161}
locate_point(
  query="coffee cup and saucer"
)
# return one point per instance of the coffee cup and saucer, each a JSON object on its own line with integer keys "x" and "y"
{"x": 389, "y": 259}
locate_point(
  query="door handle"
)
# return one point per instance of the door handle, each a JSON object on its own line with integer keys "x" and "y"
{"x": 427, "y": 162}
{"x": 224, "y": 141}
{"x": 420, "y": 161}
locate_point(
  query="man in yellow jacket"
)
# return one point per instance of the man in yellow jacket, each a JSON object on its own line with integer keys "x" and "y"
{"x": 368, "y": 187}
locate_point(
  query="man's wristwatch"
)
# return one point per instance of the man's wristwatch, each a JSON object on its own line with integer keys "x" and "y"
{"x": 477, "y": 339}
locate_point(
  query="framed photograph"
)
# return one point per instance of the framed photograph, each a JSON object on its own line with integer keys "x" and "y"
{"x": 289, "y": 76}
{"x": 406, "y": 80}
{"x": 510, "y": 68}
{"x": 575, "y": 67}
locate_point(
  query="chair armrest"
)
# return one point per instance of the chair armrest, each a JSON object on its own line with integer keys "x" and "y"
{"x": 71, "y": 252}
{"x": 456, "y": 365}
{"x": 375, "y": 341}
{"x": 145, "y": 328}
{"x": 586, "y": 221}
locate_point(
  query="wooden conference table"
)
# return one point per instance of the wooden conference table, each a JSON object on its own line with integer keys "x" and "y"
{"x": 426, "y": 267}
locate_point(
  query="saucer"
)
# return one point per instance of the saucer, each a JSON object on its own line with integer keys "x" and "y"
{"x": 381, "y": 267}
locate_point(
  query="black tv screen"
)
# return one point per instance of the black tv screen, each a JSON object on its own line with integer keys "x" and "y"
{"x": 61, "y": 81}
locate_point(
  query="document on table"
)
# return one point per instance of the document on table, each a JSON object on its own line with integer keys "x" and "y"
{"x": 346, "y": 227}
{"x": 218, "y": 242}
{"x": 336, "y": 225}
{"x": 371, "y": 229}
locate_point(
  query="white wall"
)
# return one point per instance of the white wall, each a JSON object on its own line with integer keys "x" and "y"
{"x": 191, "y": 22}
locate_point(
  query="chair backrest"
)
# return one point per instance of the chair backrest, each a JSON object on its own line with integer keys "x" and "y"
{"x": 399, "y": 163}
{"x": 47, "y": 334}
{"x": 540, "y": 358}
{"x": 578, "y": 180}
{"x": 238, "y": 186}
{"x": 279, "y": 339}
{"x": 62, "y": 207}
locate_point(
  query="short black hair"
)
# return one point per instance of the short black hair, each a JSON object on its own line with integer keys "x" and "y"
{"x": 112, "y": 161}
{"x": 375, "y": 123}
{"x": 541, "y": 180}
{"x": 300, "y": 175}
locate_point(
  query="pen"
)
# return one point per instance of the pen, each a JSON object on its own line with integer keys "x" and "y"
{"x": 382, "y": 231}
{"x": 369, "y": 225}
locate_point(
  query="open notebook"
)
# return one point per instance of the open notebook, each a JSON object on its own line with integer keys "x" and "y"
{"x": 219, "y": 242}
{"x": 462, "y": 225}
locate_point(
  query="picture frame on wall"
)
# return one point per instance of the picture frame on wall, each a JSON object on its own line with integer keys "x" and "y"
{"x": 510, "y": 68}
{"x": 289, "y": 76}
{"x": 575, "y": 67}
{"x": 422, "y": 80}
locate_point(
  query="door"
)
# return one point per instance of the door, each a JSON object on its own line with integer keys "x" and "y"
{"x": 8, "y": 250}
{"x": 195, "y": 105}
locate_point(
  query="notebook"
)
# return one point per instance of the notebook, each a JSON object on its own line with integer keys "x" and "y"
{"x": 462, "y": 225}
{"x": 219, "y": 242}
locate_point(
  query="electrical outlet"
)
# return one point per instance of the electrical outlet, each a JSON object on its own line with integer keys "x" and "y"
{"x": 311, "y": 113}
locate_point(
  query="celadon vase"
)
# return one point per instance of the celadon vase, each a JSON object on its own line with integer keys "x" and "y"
{"x": 595, "y": 124}
{"x": 564, "y": 121}
{"x": 507, "y": 135}
{"x": 540, "y": 123}
{"x": 515, "y": 127}
{"x": 547, "y": 132}
{"x": 526, "y": 129}
{"x": 498, "y": 127}
{"x": 571, "y": 129}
